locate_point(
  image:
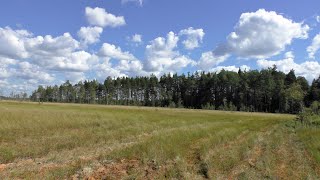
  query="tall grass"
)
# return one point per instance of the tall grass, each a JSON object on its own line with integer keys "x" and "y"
{"x": 65, "y": 133}
{"x": 310, "y": 135}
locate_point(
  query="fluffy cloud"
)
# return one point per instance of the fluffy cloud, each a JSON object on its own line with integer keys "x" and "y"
{"x": 193, "y": 37}
{"x": 263, "y": 34}
{"x": 105, "y": 69}
{"x": 45, "y": 47}
{"x": 78, "y": 61}
{"x": 75, "y": 77}
{"x": 314, "y": 47}
{"x": 26, "y": 72}
{"x": 6, "y": 62}
{"x": 90, "y": 35}
{"x": 126, "y": 63}
{"x": 45, "y": 59}
{"x": 29, "y": 71}
{"x": 59, "y": 53}
{"x": 110, "y": 50}
{"x": 30, "y": 60}
{"x": 27, "y": 61}
{"x": 5, "y": 67}
{"x": 16, "y": 75}
{"x": 12, "y": 43}
{"x": 307, "y": 69}
{"x": 99, "y": 17}
{"x": 289, "y": 54}
{"x": 260, "y": 34}
{"x": 136, "y": 38}
{"x": 318, "y": 19}
{"x": 210, "y": 59}
{"x": 7, "y": 87}
{"x": 54, "y": 53}
{"x": 131, "y": 68}
{"x": 163, "y": 47}
{"x": 162, "y": 57}
{"x": 140, "y": 2}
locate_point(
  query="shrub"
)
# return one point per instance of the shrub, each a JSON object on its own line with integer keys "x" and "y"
{"x": 208, "y": 106}
{"x": 315, "y": 107}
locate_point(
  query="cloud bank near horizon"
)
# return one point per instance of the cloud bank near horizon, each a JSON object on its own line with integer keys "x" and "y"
{"x": 28, "y": 60}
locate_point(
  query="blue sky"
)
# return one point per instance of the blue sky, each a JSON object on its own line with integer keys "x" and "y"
{"x": 46, "y": 42}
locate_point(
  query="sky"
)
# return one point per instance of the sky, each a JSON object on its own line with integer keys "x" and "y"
{"x": 45, "y": 42}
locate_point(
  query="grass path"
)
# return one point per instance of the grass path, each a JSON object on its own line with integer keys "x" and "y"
{"x": 276, "y": 154}
{"x": 254, "y": 153}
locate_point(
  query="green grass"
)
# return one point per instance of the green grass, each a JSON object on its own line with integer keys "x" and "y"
{"x": 311, "y": 138}
{"x": 310, "y": 135}
{"x": 61, "y": 140}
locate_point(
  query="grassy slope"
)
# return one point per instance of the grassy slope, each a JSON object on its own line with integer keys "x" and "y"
{"x": 62, "y": 140}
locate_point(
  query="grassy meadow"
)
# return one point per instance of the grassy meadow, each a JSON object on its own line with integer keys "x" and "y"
{"x": 69, "y": 141}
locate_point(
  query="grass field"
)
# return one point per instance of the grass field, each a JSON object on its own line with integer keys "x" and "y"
{"x": 58, "y": 141}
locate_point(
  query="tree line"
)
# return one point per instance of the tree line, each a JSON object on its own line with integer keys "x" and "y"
{"x": 267, "y": 90}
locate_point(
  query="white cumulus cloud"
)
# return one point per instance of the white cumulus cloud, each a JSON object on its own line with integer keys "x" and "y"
{"x": 162, "y": 56}
{"x": 307, "y": 69}
{"x": 105, "y": 69}
{"x": 209, "y": 60}
{"x": 78, "y": 61}
{"x": 264, "y": 33}
{"x": 12, "y": 43}
{"x": 110, "y": 50}
{"x": 49, "y": 46}
{"x": 75, "y": 77}
{"x": 29, "y": 71}
{"x": 127, "y": 64}
{"x": 136, "y": 38}
{"x": 100, "y": 17}
{"x": 314, "y": 47}
{"x": 53, "y": 53}
{"x": 193, "y": 37}
{"x": 89, "y": 35}
{"x": 5, "y": 69}
{"x": 260, "y": 34}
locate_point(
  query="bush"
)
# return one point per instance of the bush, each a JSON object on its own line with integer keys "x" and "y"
{"x": 315, "y": 107}
{"x": 228, "y": 107}
{"x": 208, "y": 106}
{"x": 232, "y": 107}
{"x": 309, "y": 118}
{"x": 172, "y": 105}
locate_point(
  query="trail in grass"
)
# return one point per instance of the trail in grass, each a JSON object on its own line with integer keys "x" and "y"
{"x": 253, "y": 155}
{"x": 270, "y": 152}
{"x": 83, "y": 155}
{"x": 273, "y": 152}
{"x": 276, "y": 154}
